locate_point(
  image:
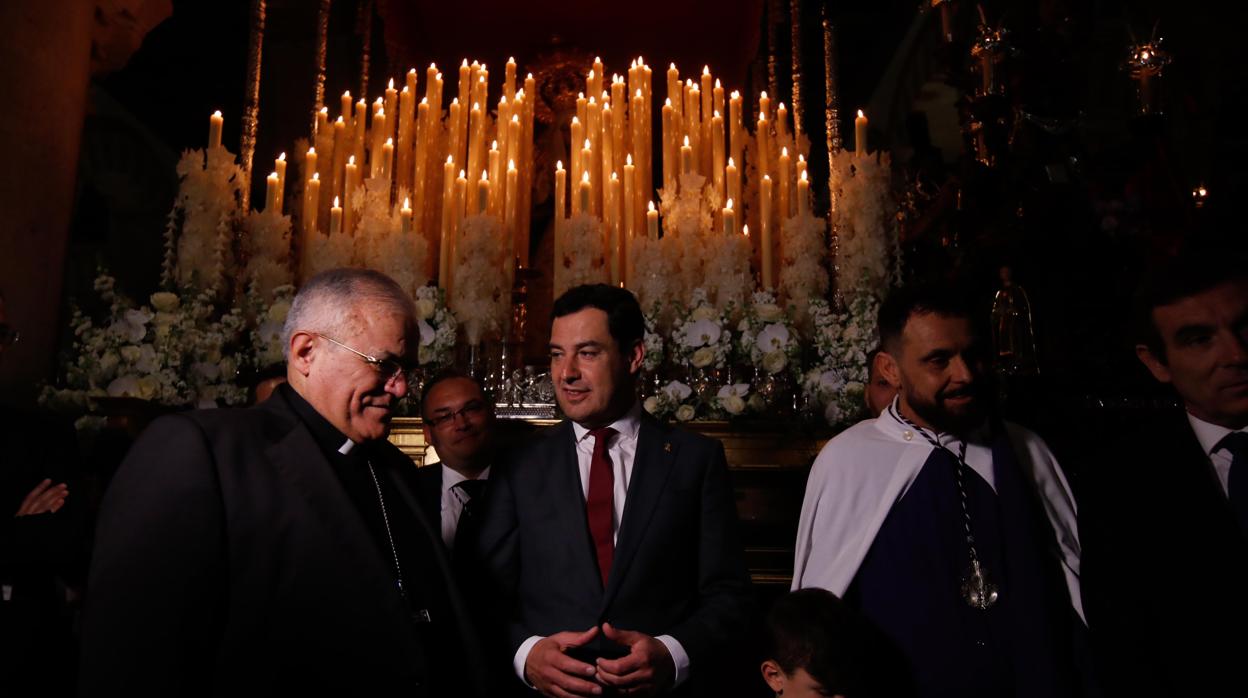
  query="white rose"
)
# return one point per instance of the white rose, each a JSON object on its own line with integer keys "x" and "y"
{"x": 704, "y": 312}
{"x": 652, "y": 404}
{"x": 774, "y": 362}
{"x": 130, "y": 353}
{"x": 165, "y": 302}
{"x": 148, "y": 386}
{"x": 768, "y": 312}
{"x": 732, "y": 404}
{"x": 425, "y": 309}
{"x": 703, "y": 357}
{"x": 684, "y": 413}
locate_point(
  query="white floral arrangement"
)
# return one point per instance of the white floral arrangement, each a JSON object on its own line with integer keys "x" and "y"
{"x": 655, "y": 279}
{"x": 480, "y": 292}
{"x": 199, "y": 253}
{"x": 266, "y": 247}
{"x": 176, "y": 351}
{"x": 380, "y": 242}
{"x": 843, "y": 340}
{"x": 768, "y": 340}
{"x": 270, "y": 318}
{"x": 584, "y": 254}
{"x": 700, "y": 338}
{"x": 653, "y": 339}
{"x": 687, "y": 214}
{"x": 673, "y": 400}
{"x": 437, "y": 328}
{"x": 803, "y": 274}
{"x": 737, "y": 399}
{"x": 865, "y": 223}
{"x": 727, "y": 271}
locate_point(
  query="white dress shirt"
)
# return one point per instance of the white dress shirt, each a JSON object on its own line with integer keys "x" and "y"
{"x": 1209, "y": 435}
{"x": 453, "y": 500}
{"x": 622, "y": 451}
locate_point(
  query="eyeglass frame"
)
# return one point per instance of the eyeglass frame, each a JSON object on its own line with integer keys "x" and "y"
{"x": 397, "y": 369}
{"x": 472, "y": 408}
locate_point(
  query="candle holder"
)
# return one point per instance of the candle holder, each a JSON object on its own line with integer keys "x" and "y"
{"x": 1145, "y": 62}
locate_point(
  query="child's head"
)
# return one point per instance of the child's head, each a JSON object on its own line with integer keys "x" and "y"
{"x": 814, "y": 646}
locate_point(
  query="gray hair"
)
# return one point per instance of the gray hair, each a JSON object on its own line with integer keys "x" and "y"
{"x": 327, "y": 303}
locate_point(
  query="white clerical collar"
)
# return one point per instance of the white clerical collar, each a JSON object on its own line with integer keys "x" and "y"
{"x": 1209, "y": 435}
{"x": 452, "y": 477}
{"x": 346, "y": 447}
{"x": 626, "y": 426}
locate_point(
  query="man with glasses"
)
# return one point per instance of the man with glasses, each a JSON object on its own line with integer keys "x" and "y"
{"x": 458, "y": 423}
{"x": 279, "y": 549}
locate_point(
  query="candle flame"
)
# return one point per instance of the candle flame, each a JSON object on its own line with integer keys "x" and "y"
{"x": 641, "y": 61}
{"x": 803, "y": 177}
{"x": 476, "y": 106}
{"x": 528, "y": 77}
{"x": 576, "y": 120}
{"x": 391, "y": 84}
{"x": 217, "y": 113}
{"x": 463, "y": 175}
{"x": 558, "y": 165}
{"x": 316, "y": 176}
{"x": 597, "y": 60}
{"x": 511, "y": 60}
{"x": 351, "y": 161}
{"x": 763, "y": 95}
{"x": 484, "y": 176}
{"x": 731, "y": 163}
{"x": 379, "y": 101}
{"x": 433, "y": 66}
{"x": 407, "y": 203}
{"x": 728, "y": 205}
{"x": 1144, "y": 56}
{"x": 745, "y": 230}
{"x": 585, "y": 178}
{"x": 515, "y": 118}
{"x": 438, "y": 77}
{"x": 591, "y": 74}
{"x": 628, "y": 159}
{"x": 511, "y": 164}
{"x": 411, "y": 71}
{"x": 494, "y": 145}
{"x": 766, "y": 178}
{"x": 465, "y": 63}
{"x": 706, "y": 70}
{"x": 390, "y": 142}
{"x": 672, "y": 67}
{"x": 339, "y": 121}
{"x": 424, "y": 101}
{"x": 347, "y": 94}
{"x": 455, "y": 102}
{"x": 801, "y": 158}
{"x": 736, "y": 94}
{"x": 450, "y": 159}
{"x": 325, "y": 111}
{"x": 580, "y": 96}
{"x": 715, "y": 114}
{"x": 588, "y": 145}
{"x": 638, "y": 93}
{"x": 336, "y": 205}
{"x": 861, "y": 115}
{"x": 781, "y": 107}
{"x": 615, "y": 177}
{"x": 784, "y": 152}
{"x": 592, "y": 101}
{"x": 667, "y": 104}
{"x": 686, "y": 141}
{"x": 651, "y": 205}
{"x": 282, "y": 157}
{"x": 717, "y": 85}
{"x": 273, "y": 175}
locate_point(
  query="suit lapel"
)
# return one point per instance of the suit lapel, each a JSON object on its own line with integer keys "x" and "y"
{"x": 563, "y": 484}
{"x": 651, "y": 465}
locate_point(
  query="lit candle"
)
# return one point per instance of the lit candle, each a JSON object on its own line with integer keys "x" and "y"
{"x": 782, "y": 123}
{"x": 335, "y": 218}
{"x": 730, "y": 220}
{"x": 736, "y": 130}
{"x": 405, "y": 216}
{"x": 387, "y": 158}
{"x": 860, "y": 135}
{"x": 351, "y": 181}
{"x": 448, "y": 222}
{"x": 764, "y": 139}
{"x": 764, "y": 105}
{"x": 496, "y": 175}
{"x": 718, "y": 102}
{"x": 215, "y": 122}
{"x": 616, "y": 241}
{"x": 734, "y": 180}
{"x": 561, "y": 196}
{"x": 686, "y": 158}
{"x": 511, "y": 213}
{"x": 587, "y": 168}
{"x": 357, "y": 134}
{"x": 803, "y": 192}
{"x": 346, "y": 107}
{"x": 457, "y": 218}
{"x": 669, "y": 163}
{"x": 586, "y": 191}
{"x": 652, "y": 223}
{"x": 322, "y": 122}
{"x": 783, "y": 173}
{"x": 392, "y": 105}
{"x": 279, "y": 167}
{"x": 630, "y": 216}
{"x": 311, "y": 203}
{"x": 378, "y": 133}
{"x": 509, "y": 79}
{"x": 270, "y": 193}
{"x": 578, "y": 137}
{"x": 717, "y": 154}
{"x": 483, "y": 194}
{"x": 309, "y": 163}
{"x": 764, "y": 219}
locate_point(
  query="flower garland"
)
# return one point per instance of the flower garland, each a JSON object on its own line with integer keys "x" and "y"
{"x": 266, "y": 244}
{"x": 728, "y": 277}
{"x": 655, "y": 266}
{"x": 803, "y": 276}
{"x": 207, "y": 202}
{"x": 379, "y": 240}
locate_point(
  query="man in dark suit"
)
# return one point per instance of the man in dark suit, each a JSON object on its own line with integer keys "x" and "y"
{"x": 1164, "y": 519}
{"x": 277, "y": 549}
{"x": 610, "y": 538}
{"x": 458, "y": 423}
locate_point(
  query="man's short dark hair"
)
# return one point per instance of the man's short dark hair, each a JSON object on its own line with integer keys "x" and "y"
{"x": 1191, "y": 272}
{"x": 624, "y": 318}
{"x": 442, "y": 376}
{"x": 907, "y": 301}
{"x": 812, "y": 629}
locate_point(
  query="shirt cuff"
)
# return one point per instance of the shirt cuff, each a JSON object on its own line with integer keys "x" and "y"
{"x": 522, "y": 657}
{"x": 679, "y": 657}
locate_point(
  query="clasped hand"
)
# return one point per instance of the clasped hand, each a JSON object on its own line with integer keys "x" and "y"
{"x": 647, "y": 669}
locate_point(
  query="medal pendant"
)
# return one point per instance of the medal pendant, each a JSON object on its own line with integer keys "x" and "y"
{"x": 977, "y": 590}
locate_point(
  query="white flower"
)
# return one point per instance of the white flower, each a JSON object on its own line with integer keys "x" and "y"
{"x": 147, "y": 362}
{"x": 425, "y": 308}
{"x": 125, "y": 386}
{"x": 128, "y": 331}
{"x": 736, "y": 389}
{"x": 165, "y": 302}
{"x": 833, "y": 413}
{"x": 732, "y": 404}
{"x": 677, "y": 391}
{"x": 704, "y": 312}
{"x": 108, "y": 363}
{"x": 685, "y": 413}
{"x": 701, "y": 333}
{"x": 130, "y": 353}
{"x": 140, "y": 317}
{"x": 774, "y": 361}
{"x": 425, "y": 354}
{"x": 703, "y": 357}
{"x": 163, "y": 321}
{"x": 774, "y": 337}
{"x": 768, "y": 312}
{"x": 652, "y": 404}
{"x": 851, "y": 332}
{"x": 426, "y": 333}
{"x": 229, "y": 368}
{"x": 278, "y": 311}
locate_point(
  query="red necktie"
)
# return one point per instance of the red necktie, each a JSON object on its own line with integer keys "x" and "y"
{"x": 600, "y": 503}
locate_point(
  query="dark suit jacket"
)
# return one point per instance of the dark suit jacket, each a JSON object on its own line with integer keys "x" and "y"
{"x": 230, "y": 560}
{"x": 1165, "y": 569}
{"x": 678, "y": 568}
